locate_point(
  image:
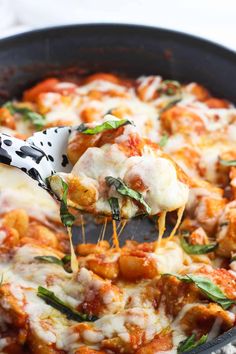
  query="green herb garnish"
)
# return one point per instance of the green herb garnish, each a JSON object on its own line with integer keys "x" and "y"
{"x": 115, "y": 209}
{"x": 66, "y": 217}
{"x": 191, "y": 343}
{"x": 197, "y": 249}
{"x": 170, "y": 105}
{"x": 64, "y": 262}
{"x": 169, "y": 88}
{"x": 38, "y": 120}
{"x": 49, "y": 259}
{"x": 51, "y": 299}
{"x": 228, "y": 162}
{"x": 66, "y": 259}
{"x": 108, "y": 125}
{"x": 163, "y": 140}
{"x": 212, "y": 291}
{"x": 126, "y": 191}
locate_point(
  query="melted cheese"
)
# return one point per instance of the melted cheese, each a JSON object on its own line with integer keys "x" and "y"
{"x": 179, "y": 218}
{"x": 72, "y": 108}
{"x": 103, "y": 230}
{"x": 152, "y": 83}
{"x": 25, "y": 275}
{"x": 164, "y": 192}
{"x": 123, "y": 224}
{"x": 161, "y": 226}
{"x": 114, "y": 235}
{"x": 169, "y": 257}
{"x": 163, "y": 189}
{"x": 111, "y": 325}
{"x": 74, "y": 260}
{"x": 24, "y": 279}
{"x": 17, "y": 190}
{"x": 133, "y": 310}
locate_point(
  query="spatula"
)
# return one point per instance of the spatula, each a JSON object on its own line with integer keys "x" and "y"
{"x": 40, "y": 156}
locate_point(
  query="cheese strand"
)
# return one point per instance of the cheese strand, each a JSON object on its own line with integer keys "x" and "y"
{"x": 161, "y": 226}
{"x": 123, "y": 223}
{"x": 115, "y": 236}
{"x": 74, "y": 260}
{"x": 104, "y": 229}
{"x": 179, "y": 214}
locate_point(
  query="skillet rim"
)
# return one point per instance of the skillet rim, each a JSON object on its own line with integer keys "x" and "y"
{"x": 118, "y": 26}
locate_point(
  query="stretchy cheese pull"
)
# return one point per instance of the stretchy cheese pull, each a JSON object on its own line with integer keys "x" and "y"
{"x": 179, "y": 215}
{"x": 74, "y": 261}
{"x": 161, "y": 226}
{"x": 115, "y": 236}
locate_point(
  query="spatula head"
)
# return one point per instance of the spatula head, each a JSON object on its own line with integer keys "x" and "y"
{"x": 40, "y": 156}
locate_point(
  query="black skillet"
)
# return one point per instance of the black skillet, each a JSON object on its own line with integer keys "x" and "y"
{"x": 126, "y": 49}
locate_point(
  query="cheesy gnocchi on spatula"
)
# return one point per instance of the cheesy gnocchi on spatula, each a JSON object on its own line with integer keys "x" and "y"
{"x": 117, "y": 172}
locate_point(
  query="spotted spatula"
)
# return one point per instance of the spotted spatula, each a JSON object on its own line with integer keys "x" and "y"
{"x": 40, "y": 156}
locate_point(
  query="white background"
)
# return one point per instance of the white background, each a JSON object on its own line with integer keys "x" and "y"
{"x": 212, "y": 19}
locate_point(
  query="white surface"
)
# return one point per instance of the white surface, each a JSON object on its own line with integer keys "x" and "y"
{"x": 211, "y": 19}
{"x": 6, "y": 15}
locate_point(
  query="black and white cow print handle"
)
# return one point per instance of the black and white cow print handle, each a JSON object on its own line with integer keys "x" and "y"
{"x": 40, "y": 156}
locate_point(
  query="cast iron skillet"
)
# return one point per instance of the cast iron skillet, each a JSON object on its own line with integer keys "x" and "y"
{"x": 125, "y": 49}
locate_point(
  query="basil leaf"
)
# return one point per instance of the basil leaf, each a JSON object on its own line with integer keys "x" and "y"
{"x": 66, "y": 259}
{"x": 197, "y": 249}
{"x": 191, "y": 343}
{"x": 49, "y": 259}
{"x": 212, "y": 291}
{"x": 64, "y": 262}
{"x": 180, "y": 277}
{"x": 51, "y": 299}
{"x": 66, "y": 217}
{"x": 228, "y": 162}
{"x": 38, "y": 120}
{"x": 108, "y": 125}
{"x": 233, "y": 259}
{"x": 169, "y": 88}
{"x": 124, "y": 190}
{"x": 170, "y": 105}
{"x": 115, "y": 209}
{"x": 9, "y": 106}
{"x": 163, "y": 140}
